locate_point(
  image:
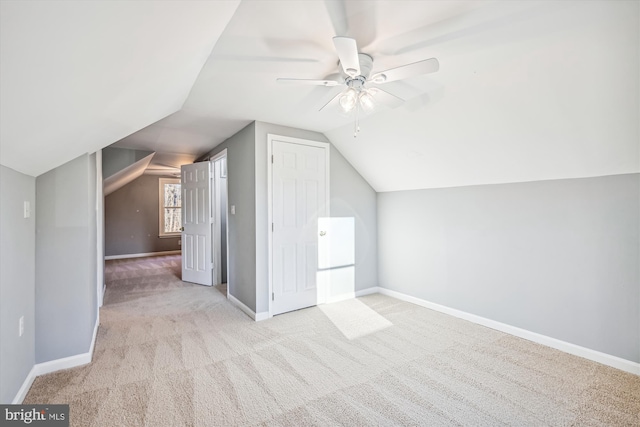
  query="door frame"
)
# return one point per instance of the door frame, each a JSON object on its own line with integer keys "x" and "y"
{"x": 322, "y": 288}
{"x": 217, "y": 240}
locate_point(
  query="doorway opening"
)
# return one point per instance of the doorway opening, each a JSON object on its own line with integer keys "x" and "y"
{"x": 219, "y": 205}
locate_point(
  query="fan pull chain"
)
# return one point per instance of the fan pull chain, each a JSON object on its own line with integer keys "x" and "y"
{"x": 356, "y": 124}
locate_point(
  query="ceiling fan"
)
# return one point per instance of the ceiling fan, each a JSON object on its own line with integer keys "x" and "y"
{"x": 359, "y": 97}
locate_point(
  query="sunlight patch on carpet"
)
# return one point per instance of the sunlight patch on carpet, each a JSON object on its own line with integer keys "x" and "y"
{"x": 354, "y": 318}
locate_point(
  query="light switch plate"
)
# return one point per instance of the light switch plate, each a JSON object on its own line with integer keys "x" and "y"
{"x": 27, "y": 209}
{"x": 233, "y": 209}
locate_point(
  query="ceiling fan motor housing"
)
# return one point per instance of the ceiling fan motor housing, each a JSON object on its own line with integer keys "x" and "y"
{"x": 366, "y": 65}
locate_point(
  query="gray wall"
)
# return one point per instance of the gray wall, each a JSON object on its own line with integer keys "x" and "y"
{"x": 66, "y": 253}
{"x": 353, "y": 197}
{"x": 559, "y": 258}
{"x": 17, "y": 280}
{"x": 262, "y": 204}
{"x": 241, "y": 276}
{"x": 247, "y": 167}
{"x": 132, "y": 219}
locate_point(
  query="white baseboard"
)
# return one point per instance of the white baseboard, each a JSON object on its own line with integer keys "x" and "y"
{"x": 262, "y": 316}
{"x": 255, "y": 316}
{"x": 367, "y": 291}
{"x": 26, "y": 385}
{"x": 56, "y": 365}
{"x": 576, "y": 350}
{"x": 104, "y": 290}
{"x": 94, "y": 336}
{"x": 146, "y": 254}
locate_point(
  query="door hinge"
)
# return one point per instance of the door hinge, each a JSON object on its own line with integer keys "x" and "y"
{"x": 272, "y": 227}
{"x": 273, "y": 296}
{"x": 272, "y": 158}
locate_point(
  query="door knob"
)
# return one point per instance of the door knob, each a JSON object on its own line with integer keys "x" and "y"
{"x": 322, "y": 233}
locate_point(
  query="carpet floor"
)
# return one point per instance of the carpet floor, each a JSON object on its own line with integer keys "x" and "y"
{"x": 169, "y": 353}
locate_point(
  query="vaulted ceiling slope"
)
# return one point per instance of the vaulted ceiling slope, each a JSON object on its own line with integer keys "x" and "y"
{"x": 526, "y": 90}
{"x": 77, "y": 76}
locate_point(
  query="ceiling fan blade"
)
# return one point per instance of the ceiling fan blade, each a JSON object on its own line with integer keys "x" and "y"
{"x": 405, "y": 71}
{"x": 347, "y": 49}
{"x": 338, "y": 14}
{"x": 310, "y": 82}
{"x": 333, "y": 100}
{"x": 355, "y": 19}
{"x": 385, "y": 98}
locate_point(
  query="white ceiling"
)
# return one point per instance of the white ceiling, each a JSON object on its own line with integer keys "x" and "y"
{"x": 526, "y": 90}
{"x": 77, "y": 76}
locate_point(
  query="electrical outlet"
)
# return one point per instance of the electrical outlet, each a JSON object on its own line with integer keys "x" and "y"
{"x": 21, "y": 326}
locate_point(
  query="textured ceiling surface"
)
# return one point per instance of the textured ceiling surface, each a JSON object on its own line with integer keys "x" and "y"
{"x": 526, "y": 90}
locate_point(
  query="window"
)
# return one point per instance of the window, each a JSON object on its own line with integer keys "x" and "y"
{"x": 170, "y": 207}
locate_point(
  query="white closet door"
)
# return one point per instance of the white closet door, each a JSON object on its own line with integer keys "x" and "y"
{"x": 299, "y": 199}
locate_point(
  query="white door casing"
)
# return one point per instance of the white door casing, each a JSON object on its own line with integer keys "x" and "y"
{"x": 218, "y": 162}
{"x": 197, "y": 261}
{"x": 299, "y": 197}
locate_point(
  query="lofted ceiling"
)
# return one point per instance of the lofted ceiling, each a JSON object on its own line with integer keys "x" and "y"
{"x": 527, "y": 90}
{"x": 77, "y": 76}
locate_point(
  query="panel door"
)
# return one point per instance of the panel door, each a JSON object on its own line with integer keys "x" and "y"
{"x": 197, "y": 260}
{"x": 298, "y": 200}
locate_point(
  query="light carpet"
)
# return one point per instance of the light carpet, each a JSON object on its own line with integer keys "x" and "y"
{"x": 169, "y": 353}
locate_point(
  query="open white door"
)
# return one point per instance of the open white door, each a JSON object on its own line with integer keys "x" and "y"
{"x": 299, "y": 199}
{"x": 197, "y": 260}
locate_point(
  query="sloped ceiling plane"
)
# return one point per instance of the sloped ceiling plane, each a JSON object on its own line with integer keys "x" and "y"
{"x": 525, "y": 91}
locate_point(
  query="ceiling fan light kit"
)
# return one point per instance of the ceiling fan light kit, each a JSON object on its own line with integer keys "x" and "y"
{"x": 348, "y": 100}
{"x": 356, "y": 69}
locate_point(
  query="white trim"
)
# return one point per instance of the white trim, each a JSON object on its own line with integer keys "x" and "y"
{"x": 327, "y": 149}
{"x": 226, "y": 192}
{"x": 94, "y": 336}
{"x": 576, "y": 350}
{"x": 264, "y": 315}
{"x": 218, "y": 155}
{"x": 367, "y": 291}
{"x": 71, "y": 361}
{"x": 26, "y": 385}
{"x": 269, "y": 221}
{"x": 217, "y": 162}
{"x": 57, "y": 365}
{"x": 142, "y": 255}
{"x": 161, "y": 183}
{"x": 99, "y": 229}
